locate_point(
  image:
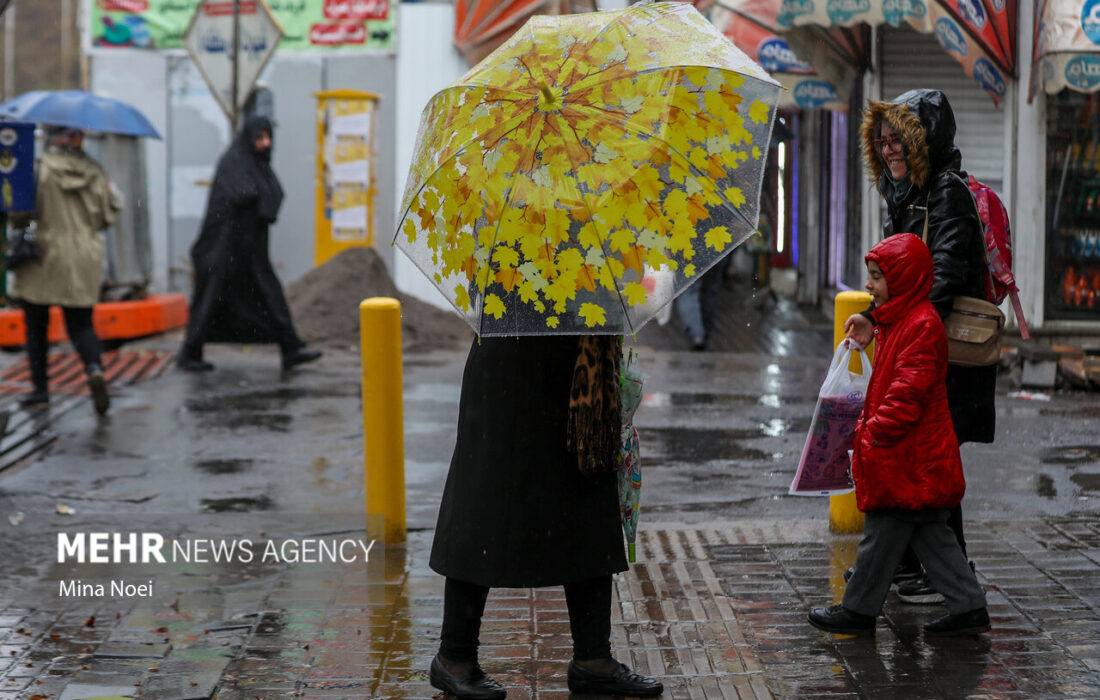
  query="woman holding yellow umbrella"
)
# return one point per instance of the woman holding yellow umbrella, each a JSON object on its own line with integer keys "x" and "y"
{"x": 584, "y": 150}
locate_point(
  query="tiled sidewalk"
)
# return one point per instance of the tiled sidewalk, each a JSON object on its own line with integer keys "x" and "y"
{"x": 715, "y": 612}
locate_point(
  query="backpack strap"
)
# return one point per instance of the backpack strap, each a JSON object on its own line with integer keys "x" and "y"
{"x": 978, "y": 212}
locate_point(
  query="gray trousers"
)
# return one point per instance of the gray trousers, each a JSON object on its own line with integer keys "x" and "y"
{"x": 885, "y": 535}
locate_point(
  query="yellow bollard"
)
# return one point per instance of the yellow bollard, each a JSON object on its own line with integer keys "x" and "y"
{"x": 383, "y": 416}
{"x": 844, "y": 516}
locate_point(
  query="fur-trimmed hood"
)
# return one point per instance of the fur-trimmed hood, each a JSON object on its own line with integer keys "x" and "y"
{"x": 926, "y": 124}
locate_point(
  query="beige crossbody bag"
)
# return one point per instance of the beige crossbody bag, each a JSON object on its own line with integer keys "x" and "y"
{"x": 973, "y": 327}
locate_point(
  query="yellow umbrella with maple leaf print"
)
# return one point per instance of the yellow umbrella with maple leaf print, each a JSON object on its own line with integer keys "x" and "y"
{"x": 585, "y": 150}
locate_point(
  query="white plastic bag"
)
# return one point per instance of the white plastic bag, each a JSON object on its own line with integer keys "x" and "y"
{"x": 658, "y": 284}
{"x": 825, "y": 468}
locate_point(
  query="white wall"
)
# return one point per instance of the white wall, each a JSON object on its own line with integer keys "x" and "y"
{"x": 427, "y": 61}
{"x": 1028, "y": 203}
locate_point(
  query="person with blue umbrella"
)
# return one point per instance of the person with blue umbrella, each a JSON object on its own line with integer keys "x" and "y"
{"x": 74, "y": 202}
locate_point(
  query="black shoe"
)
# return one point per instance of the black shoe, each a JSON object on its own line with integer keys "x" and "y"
{"x": 35, "y": 399}
{"x": 98, "y": 385}
{"x": 621, "y": 682}
{"x": 188, "y": 364}
{"x": 472, "y": 685}
{"x": 299, "y": 357}
{"x": 919, "y": 592}
{"x": 967, "y": 623}
{"x": 840, "y": 620}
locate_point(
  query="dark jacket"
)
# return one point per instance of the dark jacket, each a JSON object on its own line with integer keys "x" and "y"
{"x": 906, "y": 455}
{"x": 926, "y": 124}
{"x": 516, "y": 509}
{"x": 237, "y": 296}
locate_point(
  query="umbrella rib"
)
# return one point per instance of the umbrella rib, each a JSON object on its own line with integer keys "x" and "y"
{"x": 592, "y": 214}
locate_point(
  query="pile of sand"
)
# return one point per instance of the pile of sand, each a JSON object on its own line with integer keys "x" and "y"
{"x": 324, "y": 303}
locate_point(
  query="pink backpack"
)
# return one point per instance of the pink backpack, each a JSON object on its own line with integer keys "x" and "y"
{"x": 1000, "y": 282}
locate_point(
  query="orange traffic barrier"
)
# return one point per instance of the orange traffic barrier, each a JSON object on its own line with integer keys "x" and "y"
{"x": 154, "y": 314}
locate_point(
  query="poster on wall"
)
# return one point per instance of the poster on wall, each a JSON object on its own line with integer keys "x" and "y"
{"x": 308, "y": 25}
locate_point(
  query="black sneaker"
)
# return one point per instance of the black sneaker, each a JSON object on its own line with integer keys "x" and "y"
{"x": 840, "y": 620}
{"x": 963, "y": 624}
{"x": 919, "y": 592}
{"x": 903, "y": 575}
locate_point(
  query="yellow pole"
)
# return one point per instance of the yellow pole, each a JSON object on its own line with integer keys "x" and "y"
{"x": 844, "y": 516}
{"x": 383, "y": 416}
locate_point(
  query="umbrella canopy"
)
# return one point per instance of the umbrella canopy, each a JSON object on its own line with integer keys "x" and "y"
{"x": 979, "y": 34}
{"x": 80, "y": 110}
{"x": 582, "y": 151}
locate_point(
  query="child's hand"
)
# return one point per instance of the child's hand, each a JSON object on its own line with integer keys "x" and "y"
{"x": 858, "y": 328}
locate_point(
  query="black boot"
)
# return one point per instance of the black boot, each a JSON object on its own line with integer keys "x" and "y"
{"x": 840, "y": 620}
{"x": 97, "y": 383}
{"x": 471, "y": 685}
{"x": 35, "y": 399}
{"x": 623, "y": 681}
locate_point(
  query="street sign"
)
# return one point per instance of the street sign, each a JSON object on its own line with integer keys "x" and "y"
{"x": 210, "y": 42}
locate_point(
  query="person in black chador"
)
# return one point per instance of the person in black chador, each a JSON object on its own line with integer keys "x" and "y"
{"x": 531, "y": 500}
{"x": 237, "y": 297}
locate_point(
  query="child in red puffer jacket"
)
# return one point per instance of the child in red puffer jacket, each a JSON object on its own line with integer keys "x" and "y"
{"x": 906, "y": 463}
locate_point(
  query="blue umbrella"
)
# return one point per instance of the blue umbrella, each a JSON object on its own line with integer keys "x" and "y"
{"x": 80, "y": 110}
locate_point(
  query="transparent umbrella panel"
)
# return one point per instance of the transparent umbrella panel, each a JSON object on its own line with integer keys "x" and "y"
{"x": 585, "y": 154}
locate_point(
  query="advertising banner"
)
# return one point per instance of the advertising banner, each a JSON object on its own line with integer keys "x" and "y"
{"x": 1068, "y": 46}
{"x": 16, "y": 166}
{"x": 308, "y": 25}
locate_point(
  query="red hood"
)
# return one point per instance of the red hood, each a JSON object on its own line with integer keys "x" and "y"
{"x": 907, "y": 266}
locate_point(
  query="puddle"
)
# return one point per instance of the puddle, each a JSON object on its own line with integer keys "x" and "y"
{"x": 223, "y": 466}
{"x": 1071, "y": 454}
{"x": 240, "y": 504}
{"x": 689, "y": 445}
{"x": 1089, "y": 483}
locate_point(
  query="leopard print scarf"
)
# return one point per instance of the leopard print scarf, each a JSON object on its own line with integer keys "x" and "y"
{"x": 595, "y": 408}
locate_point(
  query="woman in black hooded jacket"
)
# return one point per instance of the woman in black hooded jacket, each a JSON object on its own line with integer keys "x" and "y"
{"x": 909, "y": 150}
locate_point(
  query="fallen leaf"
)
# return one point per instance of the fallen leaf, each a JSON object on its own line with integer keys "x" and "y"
{"x": 16, "y": 518}
{"x": 153, "y": 668}
{"x": 63, "y": 509}
{"x": 90, "y": 622}
{"x": 55, "y": 635}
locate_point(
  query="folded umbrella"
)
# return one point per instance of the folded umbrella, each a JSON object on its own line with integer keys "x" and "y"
{"x": 80, "y": 110}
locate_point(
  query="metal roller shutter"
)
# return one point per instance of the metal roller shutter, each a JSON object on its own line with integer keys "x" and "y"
{"x": 914, "y": 60}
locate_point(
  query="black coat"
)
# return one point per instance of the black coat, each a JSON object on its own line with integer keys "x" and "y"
{"x": 516, "y": 510}
{"x": 926, "y": 124}
{"x": 237, "y": 297}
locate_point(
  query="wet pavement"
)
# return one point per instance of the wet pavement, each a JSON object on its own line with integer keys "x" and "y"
{"x": 728, "y": 564}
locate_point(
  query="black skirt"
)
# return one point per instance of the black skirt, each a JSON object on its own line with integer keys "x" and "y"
{"x": 516, "y": 511}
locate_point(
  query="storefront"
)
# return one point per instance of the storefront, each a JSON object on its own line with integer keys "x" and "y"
{"x": 1067, "y": 59}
